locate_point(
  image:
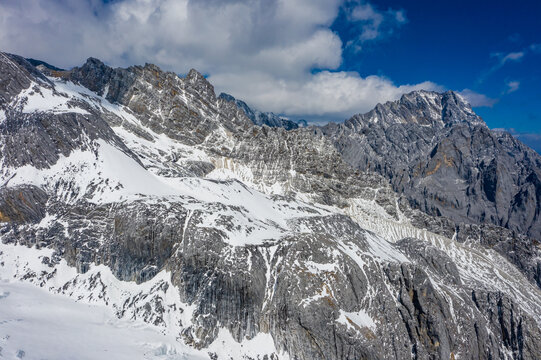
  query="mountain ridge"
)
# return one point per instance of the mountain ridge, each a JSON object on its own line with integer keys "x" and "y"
{"x": 347, "y": 148}
{"x": 248, "y": 230}
{"x": 265, "y": 118}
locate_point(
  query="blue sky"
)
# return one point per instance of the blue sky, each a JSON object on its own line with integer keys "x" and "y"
{"x": 462, "y": 44}
{"x": 323, "y": 60}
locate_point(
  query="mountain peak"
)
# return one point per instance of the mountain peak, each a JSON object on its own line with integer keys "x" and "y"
{"x": 425, "y": 108}
{"x": 17, "y": 73}
{"x": 456, "y": 109}
{"x": 421, "y": 93}
{"x": 199, "y": 83}
{"x": 194, "y": 75}
{"x": 93, "y": 62}
{"x": 40, "y": 63}
{"x": 226, "y": 97}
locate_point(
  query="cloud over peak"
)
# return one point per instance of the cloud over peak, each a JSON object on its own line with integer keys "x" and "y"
{"x": 478, "y": 100}
{"x": 279, "y": 55}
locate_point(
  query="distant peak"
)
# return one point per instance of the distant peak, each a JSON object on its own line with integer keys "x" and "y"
{"x": 194, "y": 75}
{"x": 424, "y": 94}
{"x": 456, "y": 97}
{"x": 152, "y": 67}
{"x": 92, "y": 61}
{"x": 36, "y": 63}
{"x": 226, "y": 97}
{"x": 423, "y": 107}
{"x": 93, "y": 65}
{"x": 447, "y": 96}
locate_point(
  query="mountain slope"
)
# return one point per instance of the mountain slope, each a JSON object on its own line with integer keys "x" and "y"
{"x": 144, "y": 192}
{"x": 446, "y": 162}
{"x": 442, "y": 156}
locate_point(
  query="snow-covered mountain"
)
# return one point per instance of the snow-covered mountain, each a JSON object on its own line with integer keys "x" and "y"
{"x": 265, "y": 118}
{"x": 167, "y": 212}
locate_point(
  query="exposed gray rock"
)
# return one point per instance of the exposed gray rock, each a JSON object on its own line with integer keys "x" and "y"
{"x": 22, "y": 204}
{"x": 446, "y": 162}
{"x": 321, "y": 285}
{"x": 444, "y": 159}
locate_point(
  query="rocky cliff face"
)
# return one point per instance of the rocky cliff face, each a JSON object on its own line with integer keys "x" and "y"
{"x": 442, "y": 157}
{"x": 233, "y": 230}
{"x": 445, "y": 160}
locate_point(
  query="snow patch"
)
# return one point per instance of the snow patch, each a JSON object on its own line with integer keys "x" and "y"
{"x": 356, "y": 320}
{"x": 100, "y": 325}
{"x": 106, "y": 174}
{"x": 37, "y": 98}
{"x": 384, "y": 250}
{"x": 317, "y": 268}
{"x": 259, "y": 347}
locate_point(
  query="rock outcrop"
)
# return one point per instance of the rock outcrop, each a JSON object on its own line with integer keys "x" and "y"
{"x": 253, "y": 229}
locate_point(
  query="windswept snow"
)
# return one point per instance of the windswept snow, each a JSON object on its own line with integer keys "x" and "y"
{"x": 383, "y": 250}
{"x": 42, "y": 324}
{"x": 39, "y": 98}
{"x": 35, "y": 324}
{"x": 106, "y": 175}
{"x": 316, "y": 268}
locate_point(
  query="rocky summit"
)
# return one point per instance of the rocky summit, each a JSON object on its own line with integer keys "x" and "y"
{"x": 408, "y": 232}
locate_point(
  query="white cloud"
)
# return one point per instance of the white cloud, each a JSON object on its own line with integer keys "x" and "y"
{"x": 341, "y": 94}
{"x": 478, "y": 100}
{"x": 513, "y": 56}
{"x": 502, "y": 59}
{"x": 512, "y": 86}
{"x": 177, "y": 34}
{"x": 263, "y": 51}
{"x": 374, "y": 24}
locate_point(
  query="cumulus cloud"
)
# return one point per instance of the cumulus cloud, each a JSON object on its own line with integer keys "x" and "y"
{"x": 279, "y": 55}
{"x": 478, "y": 100}
{"x": 339, "y": 93}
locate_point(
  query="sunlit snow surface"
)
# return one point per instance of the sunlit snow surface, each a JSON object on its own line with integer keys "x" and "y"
{"x": 38, "y": 321}
{"x": 35, "y": 324}
{"x": 39, "y": 315}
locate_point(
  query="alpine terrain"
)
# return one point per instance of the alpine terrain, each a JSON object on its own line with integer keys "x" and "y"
{"x": 143, "y": 216}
